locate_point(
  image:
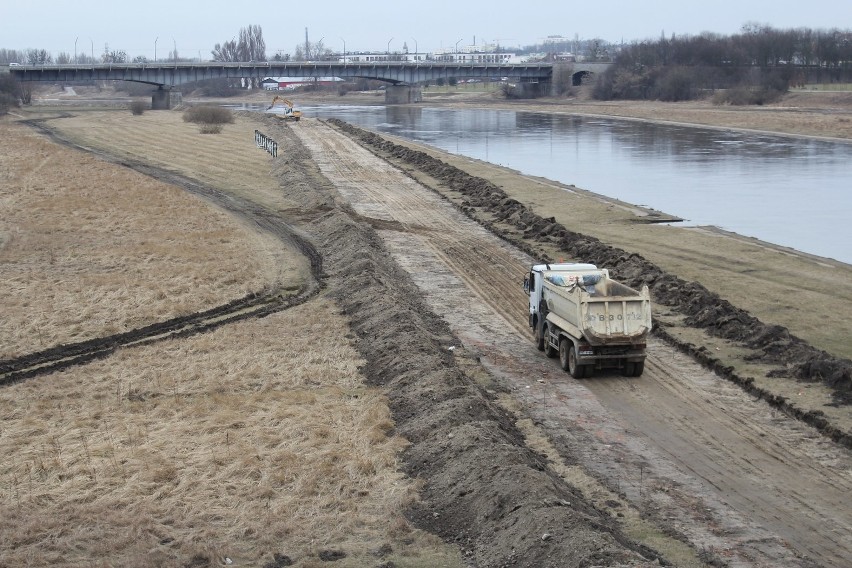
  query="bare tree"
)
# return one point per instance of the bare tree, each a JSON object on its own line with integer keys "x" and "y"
{"x": 113, "y": 56}
{"x": 10, "y": 93}
{"x": 250, "y": 47}
{"x": 310, "y": 51}
{"x": 39, "y": 57}
{"x": 563, "y": 78}
{"x": 226, "y": 51}
{"x": 11, "y": 56}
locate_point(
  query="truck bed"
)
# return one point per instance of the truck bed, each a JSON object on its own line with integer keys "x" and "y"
{"x": 604, "y": 313}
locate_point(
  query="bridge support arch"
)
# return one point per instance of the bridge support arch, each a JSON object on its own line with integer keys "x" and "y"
{"x": 581, "y": 77}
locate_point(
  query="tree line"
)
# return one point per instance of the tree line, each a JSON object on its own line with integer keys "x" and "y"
{"x": 760, "y": 61}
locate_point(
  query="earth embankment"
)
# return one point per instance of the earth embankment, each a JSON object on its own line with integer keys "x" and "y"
{"x": 703, "y": 309}
{"x": 472, "y": 280}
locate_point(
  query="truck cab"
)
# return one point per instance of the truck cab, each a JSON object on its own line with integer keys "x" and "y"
{"x": 533, "y": 283}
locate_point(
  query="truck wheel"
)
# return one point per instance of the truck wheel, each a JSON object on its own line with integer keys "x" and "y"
{"x": 638, "y": 368}
{"x": 564, "y": 347}
{"x": 568, "y": 359}
{"x": 549, "y": 351}
{"x": 588, "y": 371}
{"x": 539, "y": 338}
{"x": 628, "y": 369}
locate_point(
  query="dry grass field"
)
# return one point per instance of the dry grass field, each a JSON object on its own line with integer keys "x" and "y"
{"x": 228, "y": 161}
{"x": 247, "y": 441}
{"x": 255, "y": 440}
{"x": 89, "y": 249}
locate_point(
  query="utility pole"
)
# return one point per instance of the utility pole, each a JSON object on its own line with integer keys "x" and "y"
{"x": 307, "y": 46}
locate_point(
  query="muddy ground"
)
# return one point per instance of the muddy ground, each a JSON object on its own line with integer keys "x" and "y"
{"x": 486, "y": 490}
{"x": 705, "y": 310}
{"x": 471, "y": 281}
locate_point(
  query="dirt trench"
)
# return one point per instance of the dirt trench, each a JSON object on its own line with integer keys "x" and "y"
{"x": 485, "y": 491}
{"x": 679, "y": 446}
{"x": 703, "y": 309}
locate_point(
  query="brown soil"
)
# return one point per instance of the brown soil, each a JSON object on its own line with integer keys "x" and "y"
{"x": 703, "y": 309}
{"x": 486, "y": 490}
{"x": 473, "y": 283}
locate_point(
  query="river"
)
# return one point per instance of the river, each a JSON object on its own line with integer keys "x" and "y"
{"x": 794, "y": 192}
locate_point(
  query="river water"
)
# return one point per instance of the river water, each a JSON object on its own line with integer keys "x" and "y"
{"x": 788, "y": 191}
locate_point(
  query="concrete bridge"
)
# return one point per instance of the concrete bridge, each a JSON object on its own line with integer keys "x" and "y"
{"x": 402, "y": 76}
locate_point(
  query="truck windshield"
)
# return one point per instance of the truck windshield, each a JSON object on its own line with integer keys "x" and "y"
{"x": 573, "y": 279}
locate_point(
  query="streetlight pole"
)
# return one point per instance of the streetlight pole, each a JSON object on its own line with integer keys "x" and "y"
{"x": 93, "y": 50}
{"x": 155, "y": 48}
{"x": 344, "y": 50}
{"x": 75, "y": 49}
{"x": 415, "y": 50}
{"x": 175, "y": 51}
{"x": 388, "y": 51}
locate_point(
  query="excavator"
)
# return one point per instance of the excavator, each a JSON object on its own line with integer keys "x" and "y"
{"x": 288, "y": 112}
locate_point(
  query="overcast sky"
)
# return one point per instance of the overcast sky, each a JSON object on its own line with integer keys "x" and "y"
{"x": 194, "y": 26}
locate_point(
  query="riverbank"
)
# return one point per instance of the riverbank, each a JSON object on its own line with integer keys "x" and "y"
{"x": 818, "y": 114}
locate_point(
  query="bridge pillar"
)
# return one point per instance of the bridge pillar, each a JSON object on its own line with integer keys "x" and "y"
{"x": 403, "y": 94}
{"x": 160, "y": 100}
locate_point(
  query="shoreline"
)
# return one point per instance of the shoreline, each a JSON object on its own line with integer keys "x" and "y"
{"x": 641, "y": 212}
{"x": 568, "y": 108}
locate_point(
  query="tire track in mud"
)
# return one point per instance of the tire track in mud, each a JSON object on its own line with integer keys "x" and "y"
{"x": 485, "y": 491}
{"x": 721, "y": 467}
{"x": 472, "y": 259}
{"x": 253, "y": 305}
{"x": 773, "y": 344}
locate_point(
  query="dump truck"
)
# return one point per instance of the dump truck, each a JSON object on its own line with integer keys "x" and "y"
{"x": 592, "y": 322}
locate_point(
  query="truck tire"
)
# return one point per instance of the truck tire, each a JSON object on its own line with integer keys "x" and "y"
{"x": 628, "y": 369}
{"x": 638, "y": 368}
{"x": 538, "y": 332}
{"x": 564, "y": 347}
{"x": 568, "y": 359}
{"x": 588, "y": 371}
{"x": 549, "y": 351}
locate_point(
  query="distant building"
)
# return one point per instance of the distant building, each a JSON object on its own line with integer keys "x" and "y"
{"x": 486, "y": 53}
{"x": 555, "y": 39}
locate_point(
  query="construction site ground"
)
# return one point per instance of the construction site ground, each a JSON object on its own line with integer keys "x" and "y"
{"x": 521, "y": 464}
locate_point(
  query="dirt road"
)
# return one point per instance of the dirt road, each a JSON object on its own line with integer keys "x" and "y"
{"x": 741, "y": 482}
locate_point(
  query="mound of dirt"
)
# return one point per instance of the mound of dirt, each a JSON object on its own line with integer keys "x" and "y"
{"x": 773, "y": 344}
{"x": 485, "y": 490}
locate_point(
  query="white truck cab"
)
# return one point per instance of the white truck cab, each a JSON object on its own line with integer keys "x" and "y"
{"x": 533, "y": 286}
